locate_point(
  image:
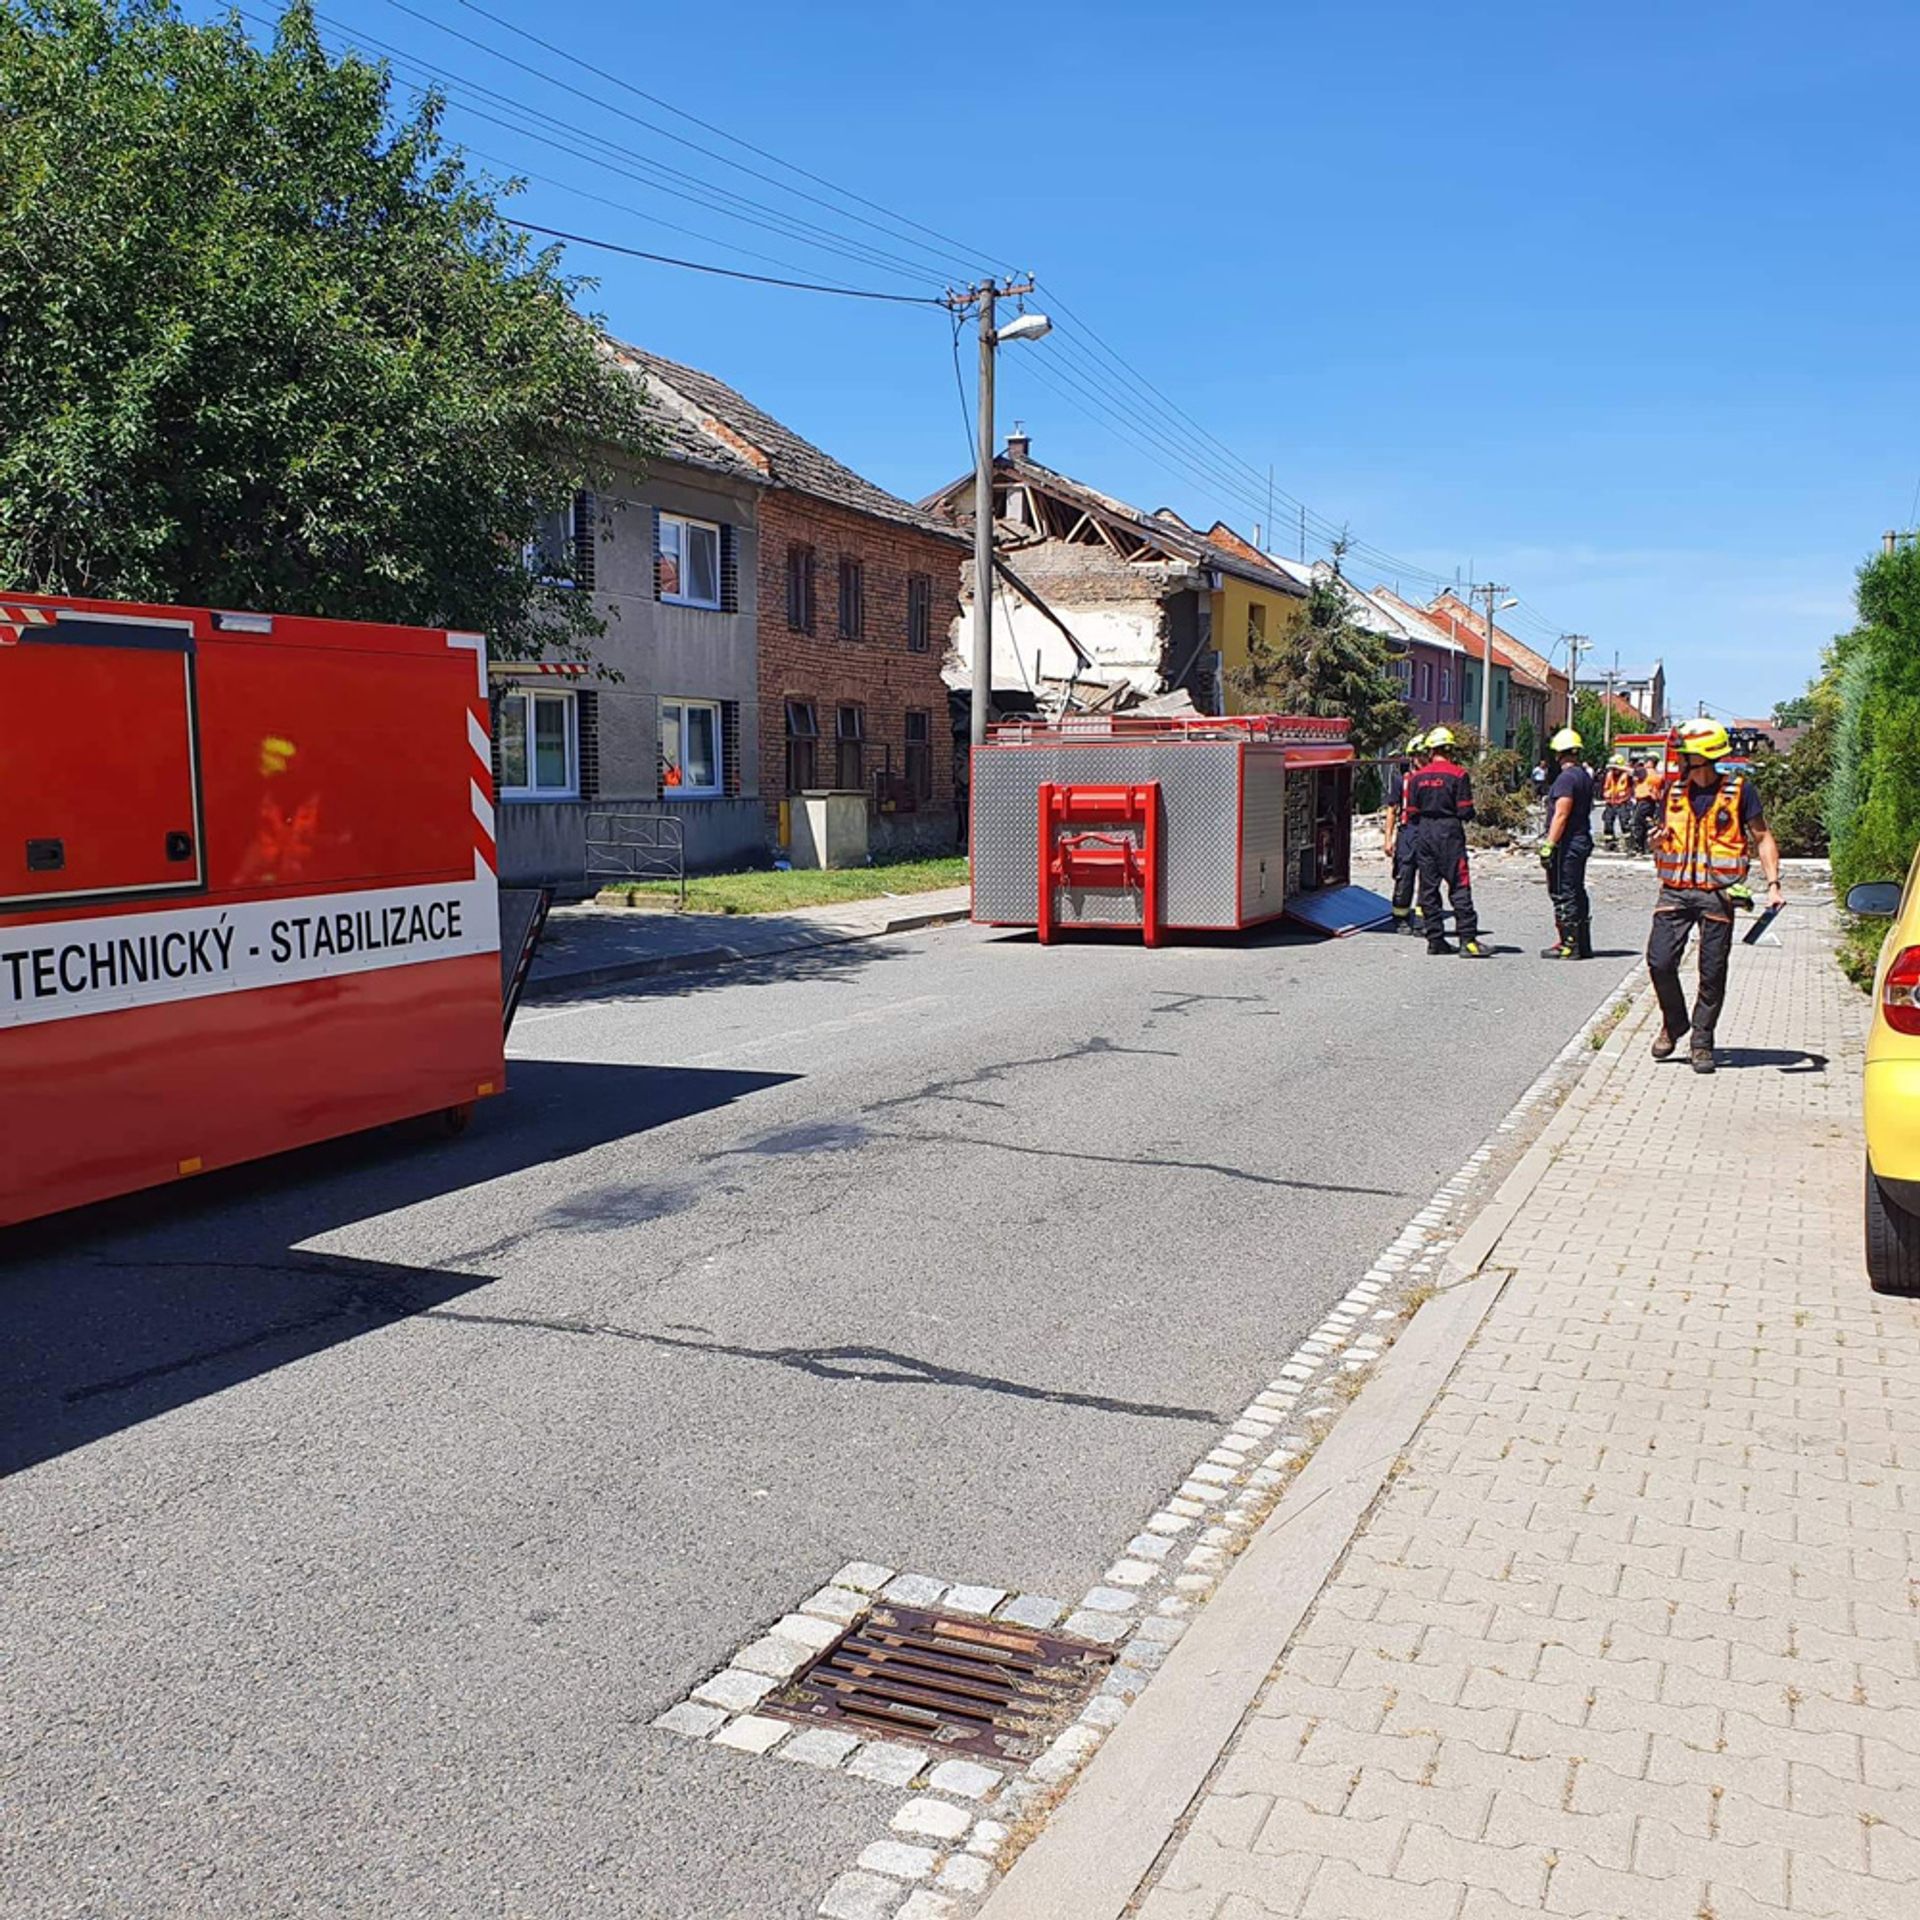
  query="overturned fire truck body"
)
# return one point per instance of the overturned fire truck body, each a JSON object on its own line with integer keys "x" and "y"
{"x": 1165, "y": 825}
{"x": 247, "y": 892}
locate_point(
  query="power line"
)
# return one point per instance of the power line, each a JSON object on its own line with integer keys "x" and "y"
{"x": 1149, "y": 413}
{"x": 961, "y": 252}
{"x": 610, "y": 157}
{"x": 728, "y": 273}
{"x": 876, "y": 256}
{"x": 700, "y": 191}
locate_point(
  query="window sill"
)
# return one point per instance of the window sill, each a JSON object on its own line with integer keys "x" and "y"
{"x": 519, "y": 796}
{"x": 671, "y": 794}
{"x": 695, "y": 606}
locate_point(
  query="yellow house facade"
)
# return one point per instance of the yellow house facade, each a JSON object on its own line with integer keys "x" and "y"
{"x": 1245, "y": 608}
{"x": 1254, "y": 599}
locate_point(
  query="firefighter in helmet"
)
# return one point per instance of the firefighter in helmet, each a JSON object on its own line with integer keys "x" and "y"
{"x": 1616, "y": 796}
{"x": 1439, "y": 804}
{"x": 1711, "y": 825}
{"x": 1649, "y": 778}
{"x": 1400, "y": 839}
{"x": 1567, "y": 849}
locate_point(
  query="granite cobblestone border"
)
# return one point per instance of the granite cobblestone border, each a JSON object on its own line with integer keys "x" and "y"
{"x": 965, "y": 1822}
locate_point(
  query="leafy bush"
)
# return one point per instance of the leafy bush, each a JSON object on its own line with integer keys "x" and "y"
{"x": 1873, "y": 800}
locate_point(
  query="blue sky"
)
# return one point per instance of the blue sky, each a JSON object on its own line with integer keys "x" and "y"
{"x": 1613, "y": 304}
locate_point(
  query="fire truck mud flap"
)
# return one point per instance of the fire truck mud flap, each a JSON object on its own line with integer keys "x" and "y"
{"x": 1339, "y": 911}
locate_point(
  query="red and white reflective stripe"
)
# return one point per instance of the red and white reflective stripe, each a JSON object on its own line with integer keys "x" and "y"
{"x": 14, "y": 617}
{"x": 480, "y": 756}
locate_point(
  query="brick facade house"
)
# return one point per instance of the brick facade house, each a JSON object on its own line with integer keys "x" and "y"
{"x": 854, "y": 613}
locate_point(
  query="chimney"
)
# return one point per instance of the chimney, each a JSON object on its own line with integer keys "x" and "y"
{"x": 1019, "y": 442}
{"x": 1889, "y": 541}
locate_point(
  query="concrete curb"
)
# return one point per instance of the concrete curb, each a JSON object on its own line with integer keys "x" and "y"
{"x": 695, "y": 959}
{"x": 1114, "y": 1824}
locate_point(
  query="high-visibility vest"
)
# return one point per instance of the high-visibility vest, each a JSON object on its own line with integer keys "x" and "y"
{"x": 1618, "y": 786}
{"x": 1648, "y": 785}
{"x": 1703, "y": 850}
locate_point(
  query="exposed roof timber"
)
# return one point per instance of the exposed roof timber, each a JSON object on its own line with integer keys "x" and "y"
{"x": 1026, "y": 593}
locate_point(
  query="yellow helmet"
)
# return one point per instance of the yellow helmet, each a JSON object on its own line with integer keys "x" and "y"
{"x": 1440, "y": 737}
{"x": 1417, "y": 744}
{"x": 1707, "y": 738}
{"x": 1618, "y": 760}
{"x": 1566, "y": 741}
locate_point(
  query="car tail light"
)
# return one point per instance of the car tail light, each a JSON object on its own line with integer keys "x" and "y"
{"x": 1900, "y": 997}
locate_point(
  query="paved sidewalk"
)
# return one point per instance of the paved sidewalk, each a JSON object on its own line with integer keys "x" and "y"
{"x": 589, "y": 946}
{"x": 1633, "y": 1631}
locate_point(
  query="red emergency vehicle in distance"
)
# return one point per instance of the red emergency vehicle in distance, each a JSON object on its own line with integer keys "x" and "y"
{"x": 247, "y": 889}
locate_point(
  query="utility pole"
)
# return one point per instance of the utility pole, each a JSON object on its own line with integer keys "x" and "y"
{"x": 1613, "y": 673}
{"x": 1303, "y": 535}
{"x": 1577, "y": 644}
{"x": 1492, "y": 593}
{"x": 984, "y": 298}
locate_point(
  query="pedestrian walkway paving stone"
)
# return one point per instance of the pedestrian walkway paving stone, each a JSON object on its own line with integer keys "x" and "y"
{"x": 1633, "y": 1633}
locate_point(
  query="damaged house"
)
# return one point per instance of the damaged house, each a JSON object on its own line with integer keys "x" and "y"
{"x": 1103, "y": 605}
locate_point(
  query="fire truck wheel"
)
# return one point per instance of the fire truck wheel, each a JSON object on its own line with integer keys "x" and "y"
{"x": 454, "y": 1121}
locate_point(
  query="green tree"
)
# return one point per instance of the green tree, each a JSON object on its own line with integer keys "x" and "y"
{"x": 1323, "y": 663}
{"x": 262, "y": 344}
{"x": 1797, "y": 712}
{"x": 1590, "y": 723}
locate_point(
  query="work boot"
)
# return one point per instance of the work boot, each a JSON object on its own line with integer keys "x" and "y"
{"x": 1583, "y": 941}
{"x": 1473, "y": 950}
{"x": 1701, "y": 1060}
{"x": 1562, "y": 950}
{"x": 1441, "y": 946}
{"x": 1402, "y": 921}
{"x": 1662, "y": 1048}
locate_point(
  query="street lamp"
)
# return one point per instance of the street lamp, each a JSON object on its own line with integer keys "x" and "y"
{"x": 1025, "y": 326}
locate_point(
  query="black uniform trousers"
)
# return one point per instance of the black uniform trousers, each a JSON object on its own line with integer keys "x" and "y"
{"x": 1441, "y": 852}
{"x": 1619, "y": 821}
{"x": 1675, "y": 915}
{"x": 1405, "y": 866}
{"x": 1567, "y": 881}
{"x": 1643, "y": 812}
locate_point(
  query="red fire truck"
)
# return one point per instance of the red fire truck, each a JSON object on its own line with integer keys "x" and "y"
{"x": 247, "y": 889}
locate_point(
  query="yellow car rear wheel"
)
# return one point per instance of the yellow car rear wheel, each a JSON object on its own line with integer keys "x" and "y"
{"x": 1893, "y": 1243}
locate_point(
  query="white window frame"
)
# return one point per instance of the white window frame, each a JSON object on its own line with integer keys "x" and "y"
{"x": 685, "y": 792}
{"x": 684, "y": 521}
{"x": 531, "y": 697}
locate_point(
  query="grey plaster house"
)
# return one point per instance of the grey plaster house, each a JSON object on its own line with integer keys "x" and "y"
{"x": 671, "y": 558}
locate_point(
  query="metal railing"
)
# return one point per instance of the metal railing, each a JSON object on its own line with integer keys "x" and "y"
{"x": 628, "y": 845}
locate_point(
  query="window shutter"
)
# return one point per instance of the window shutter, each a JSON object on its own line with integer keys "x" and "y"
{"x": 919, "y": 608}
{"x": 729, "y": 569}
{"x": 653, "y": 534}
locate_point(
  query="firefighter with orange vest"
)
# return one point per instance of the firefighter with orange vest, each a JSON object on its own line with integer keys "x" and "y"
{"x": 1648, "y": 777}
{"x": 1616, "y": 796}
{"x": 1711, "y": 825}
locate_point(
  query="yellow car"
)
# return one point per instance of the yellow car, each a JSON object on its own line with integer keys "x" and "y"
{"x": 1892, "y": 1100}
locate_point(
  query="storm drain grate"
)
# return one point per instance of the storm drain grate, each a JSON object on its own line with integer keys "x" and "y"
{"x": 974, "y": 1686}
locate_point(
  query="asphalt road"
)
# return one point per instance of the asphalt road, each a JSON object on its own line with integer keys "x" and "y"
{"x": 367, "y": 1505}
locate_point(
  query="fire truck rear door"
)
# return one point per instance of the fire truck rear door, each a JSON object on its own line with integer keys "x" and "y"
{"x": 99, "y": 788}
